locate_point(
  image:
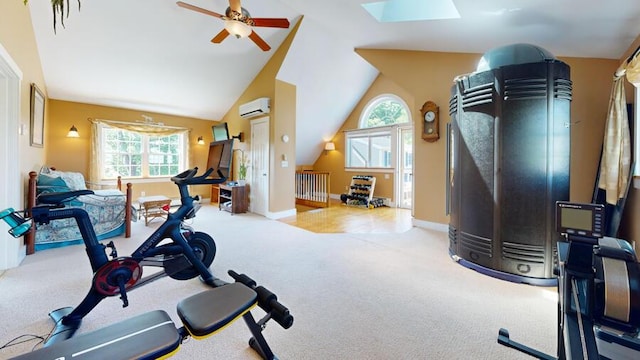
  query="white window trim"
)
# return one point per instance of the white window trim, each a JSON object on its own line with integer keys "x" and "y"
{"x": 364, "y": 115}
{"x": 391, "y": 130}
{"x": 145, "y": 177}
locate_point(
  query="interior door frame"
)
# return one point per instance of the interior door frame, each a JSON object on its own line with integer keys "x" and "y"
{"x": 253, "y": 173}
{"x": 12, "y": 250}
{"x": 400, "y": 161}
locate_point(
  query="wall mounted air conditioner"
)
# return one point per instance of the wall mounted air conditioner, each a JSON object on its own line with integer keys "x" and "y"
{"x": 256, "y": 107}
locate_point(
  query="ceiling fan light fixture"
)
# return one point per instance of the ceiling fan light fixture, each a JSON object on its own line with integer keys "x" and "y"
{"x": 237, "y": 28}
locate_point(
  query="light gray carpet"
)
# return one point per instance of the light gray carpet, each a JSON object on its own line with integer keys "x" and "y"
{"x": 353, "y": 296}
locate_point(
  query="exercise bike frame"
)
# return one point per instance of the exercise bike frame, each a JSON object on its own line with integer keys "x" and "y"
{"x": 149, "y": 253}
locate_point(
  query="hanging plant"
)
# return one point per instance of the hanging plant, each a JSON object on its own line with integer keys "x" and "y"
{"x": 58, "y": 10}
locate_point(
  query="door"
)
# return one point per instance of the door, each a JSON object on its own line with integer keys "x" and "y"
{"x": 12, "y": 250}
{"x": 259, "y": 169}
{"x": 405, "y": 188}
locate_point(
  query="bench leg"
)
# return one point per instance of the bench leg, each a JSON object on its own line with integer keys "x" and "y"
{"x": 258, "y": 342}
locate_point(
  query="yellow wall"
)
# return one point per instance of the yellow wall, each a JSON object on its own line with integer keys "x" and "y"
{"x": 73, "y": 154}
{"x": 265, "y": 85}
{"x": 18, "y": 39}
{"x": 429, "y": 76}
{"x": 18, "y": 45}
{"x": 334, "y": 161}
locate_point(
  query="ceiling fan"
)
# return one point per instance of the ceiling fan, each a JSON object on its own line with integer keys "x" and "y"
{"x": 239, "y": 22}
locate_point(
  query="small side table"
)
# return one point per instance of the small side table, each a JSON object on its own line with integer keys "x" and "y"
{"x": 151, "y": 207}
{"x": 232, "y": 199}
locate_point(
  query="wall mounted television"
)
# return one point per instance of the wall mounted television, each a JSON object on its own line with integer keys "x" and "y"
{"x": 220, "y": 132}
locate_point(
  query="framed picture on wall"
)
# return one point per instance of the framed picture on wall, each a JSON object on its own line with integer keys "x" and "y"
{"x": 37, "y": 117}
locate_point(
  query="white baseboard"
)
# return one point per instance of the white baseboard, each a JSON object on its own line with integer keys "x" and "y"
{"x": 280, "y": 214}
{"x": 431, "y": 225}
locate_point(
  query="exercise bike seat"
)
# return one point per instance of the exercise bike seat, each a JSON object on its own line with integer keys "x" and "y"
{"x": 147, "y": 336}
{"x": 207, "y": 312}
{"x": 57, "y": 198}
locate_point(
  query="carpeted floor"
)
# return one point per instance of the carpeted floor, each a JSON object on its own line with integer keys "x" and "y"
{"x": 353, "y": 296}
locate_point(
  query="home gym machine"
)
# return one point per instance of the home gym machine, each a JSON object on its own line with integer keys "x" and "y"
{"x": 176, "y": 248}
{"x": 598, "y": 290}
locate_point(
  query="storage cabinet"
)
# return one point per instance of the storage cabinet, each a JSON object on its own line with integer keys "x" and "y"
{"x": 232, "y": 198}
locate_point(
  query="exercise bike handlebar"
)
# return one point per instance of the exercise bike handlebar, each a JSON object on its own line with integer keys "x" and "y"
{"x": 267, "y": 300}
{"x": 188, "y": 177}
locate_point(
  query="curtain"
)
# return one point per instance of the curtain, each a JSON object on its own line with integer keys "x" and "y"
{"x": 95, "y": 162}
{"x": 616, "y": 151}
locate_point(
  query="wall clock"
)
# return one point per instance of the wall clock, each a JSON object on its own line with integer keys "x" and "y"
{"x": 430, "y": 121}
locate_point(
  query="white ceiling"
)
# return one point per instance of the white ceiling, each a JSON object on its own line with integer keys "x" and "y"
{"x": 152, "y": 55}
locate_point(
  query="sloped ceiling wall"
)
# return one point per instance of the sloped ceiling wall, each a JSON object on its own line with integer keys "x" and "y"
{"x": 330, "y": 79}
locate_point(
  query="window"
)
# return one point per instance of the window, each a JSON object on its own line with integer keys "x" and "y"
{"x": 373, "y": 146}
{"x": 370, "y": 149}
{"x": 135, "y": 155}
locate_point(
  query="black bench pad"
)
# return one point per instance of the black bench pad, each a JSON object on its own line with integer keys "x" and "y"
{"x": 147, "y": 336}
{"x": 207, "y": 312}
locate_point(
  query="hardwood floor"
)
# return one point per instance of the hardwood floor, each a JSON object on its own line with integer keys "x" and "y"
{"x": 339, "y": 218}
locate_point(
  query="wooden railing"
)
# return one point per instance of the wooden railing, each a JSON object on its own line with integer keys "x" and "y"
{"x": 312, "y": 188}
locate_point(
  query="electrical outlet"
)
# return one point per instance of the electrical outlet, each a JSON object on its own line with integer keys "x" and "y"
{"x": 142, "y": 193}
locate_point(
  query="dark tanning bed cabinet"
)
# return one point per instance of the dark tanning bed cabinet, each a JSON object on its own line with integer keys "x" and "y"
{"x": 509, "y": 155}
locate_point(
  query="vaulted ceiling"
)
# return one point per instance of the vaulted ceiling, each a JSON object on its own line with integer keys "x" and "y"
{"x": 152, "y": 55}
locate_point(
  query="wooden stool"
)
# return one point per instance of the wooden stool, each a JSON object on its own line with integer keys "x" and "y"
{"x": 151, "y": 207}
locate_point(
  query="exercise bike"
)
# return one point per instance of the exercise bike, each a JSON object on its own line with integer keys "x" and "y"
{"x": 186, "y": 255}
{"x": 598, "y": 290}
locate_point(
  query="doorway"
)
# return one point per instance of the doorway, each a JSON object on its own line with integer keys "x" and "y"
{"x": 259, "y": 169}
{"x": 405, "y": 168}
{"x": 12, "y": 250}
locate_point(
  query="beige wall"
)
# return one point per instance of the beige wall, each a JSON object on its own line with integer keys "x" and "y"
{"x": 419, "y": 76}
{"x": 18, "y": 43}
{"x": 334, "y": 161}
{"x": 280, "y": 119}
{"x": 18, "y": 39}
{"x": 73, "y": 154}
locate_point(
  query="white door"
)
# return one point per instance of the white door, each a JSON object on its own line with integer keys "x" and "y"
{"x": 12, "y": 251}
{"x": 259, "y": 192}
{"x": 405, "y": 182}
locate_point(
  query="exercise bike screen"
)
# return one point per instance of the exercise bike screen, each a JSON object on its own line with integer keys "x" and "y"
{"x": 220, "y": 153}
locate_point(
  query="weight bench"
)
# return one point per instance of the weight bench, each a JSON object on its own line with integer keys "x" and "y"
{"x": 153, "y": 334}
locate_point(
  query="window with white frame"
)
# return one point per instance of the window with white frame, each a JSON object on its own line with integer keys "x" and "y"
{"x": 135, "y": 155}
{"x": 373, "y": 145}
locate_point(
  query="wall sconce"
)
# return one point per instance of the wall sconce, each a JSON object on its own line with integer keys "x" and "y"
{"x": 240, "y": 137}
{"x": 73, "y": 132}
{"x": 200, "y": 140}
{"x": 330, "y": 146}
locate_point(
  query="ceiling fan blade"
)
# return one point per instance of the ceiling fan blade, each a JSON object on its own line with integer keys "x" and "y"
{"x": 258, "y": 40}
{"x": 199, "y": 9}
{"x": 221, "y": 36}
{"x": 271, "y": 22}
{"x": 235, "y": 6}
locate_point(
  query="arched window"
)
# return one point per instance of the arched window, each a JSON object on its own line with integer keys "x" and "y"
{"x": 373, "y": 145}
{"x": 384, "y": 110}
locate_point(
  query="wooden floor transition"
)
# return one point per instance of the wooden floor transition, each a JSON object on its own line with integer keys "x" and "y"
{"x": 340, "y": 218}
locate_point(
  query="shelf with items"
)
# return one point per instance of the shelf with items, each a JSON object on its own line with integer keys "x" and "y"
{"x": 232, "y": 198}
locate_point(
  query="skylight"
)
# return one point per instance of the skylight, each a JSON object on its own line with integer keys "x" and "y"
{"x": 412, "y": 10}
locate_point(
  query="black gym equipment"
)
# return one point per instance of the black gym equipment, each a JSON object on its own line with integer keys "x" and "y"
{"x": 181, "y": 252}
{"x": 508, "y": 157}
{"x": 598, "y": 290}
{"x": 154, "y": 335}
